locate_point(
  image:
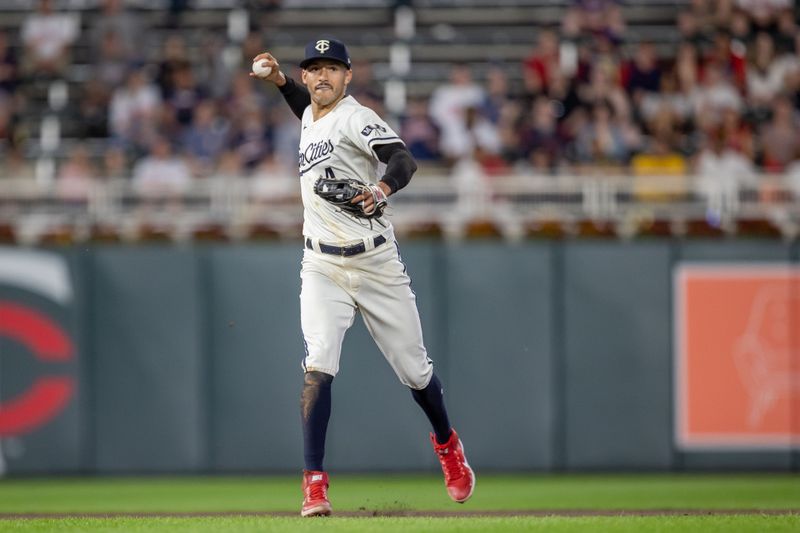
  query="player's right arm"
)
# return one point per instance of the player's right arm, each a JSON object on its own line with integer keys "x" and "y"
{"x": 295, "y": 95}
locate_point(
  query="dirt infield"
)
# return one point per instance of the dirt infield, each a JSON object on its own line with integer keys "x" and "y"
{"x": 435, "y": 514}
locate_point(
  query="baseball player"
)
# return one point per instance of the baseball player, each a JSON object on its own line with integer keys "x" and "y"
{"x": 351, "y": 261}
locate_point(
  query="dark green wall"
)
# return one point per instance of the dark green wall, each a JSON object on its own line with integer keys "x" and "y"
{"x": 553, "y": 355}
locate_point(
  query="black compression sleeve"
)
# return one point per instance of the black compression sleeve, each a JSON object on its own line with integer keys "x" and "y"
{"x": 296, "y": 96}
{"x": 400, "y": 165}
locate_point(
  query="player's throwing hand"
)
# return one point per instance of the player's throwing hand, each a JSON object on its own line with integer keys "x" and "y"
{"x": 266, "y": 60}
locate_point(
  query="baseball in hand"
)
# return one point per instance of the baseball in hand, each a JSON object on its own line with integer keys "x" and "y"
{"x": 259, "y": 71}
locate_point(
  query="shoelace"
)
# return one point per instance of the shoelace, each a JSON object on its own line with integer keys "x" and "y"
{"x": 316, "y": 491}
{"x": 453, "y": 466}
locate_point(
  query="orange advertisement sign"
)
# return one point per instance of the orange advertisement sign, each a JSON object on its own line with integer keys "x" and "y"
{"x": 737, "y": 356}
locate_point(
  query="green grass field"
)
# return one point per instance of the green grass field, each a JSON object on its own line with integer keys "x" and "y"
{"x": 558, "y": 503}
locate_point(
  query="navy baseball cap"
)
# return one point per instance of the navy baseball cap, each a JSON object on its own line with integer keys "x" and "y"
{"x": 326, "y": 49}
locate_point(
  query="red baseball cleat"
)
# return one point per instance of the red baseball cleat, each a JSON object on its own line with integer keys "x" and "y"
{"x": 315, "y": 494}
{"x": 458, "y": 476}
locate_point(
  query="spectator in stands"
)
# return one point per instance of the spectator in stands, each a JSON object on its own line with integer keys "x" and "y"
{"x": 186, "y": 95}
{"x": 793, "y": 176}
{"x": 765, "y": 74}
{"x": 252, "y": 45}
{"x": 764, "y": 13}
{"x": 642, "y": 74}
{"x": 720, "y": 169}
{"x": 791, "y": 83}
{"x": 660, "y": 152}
{"x": 112, "y": 61}
{"x": 540, "y": 142}
{"x": 570, "y": 127}
{"x": 631, "y": 132}
{"x": 780, "y": 137}
{"x": 47, "y": 37}
{"x": 604, "y": 87}
{"x": 134, "y": 109}
{"x": 687, "y": 67}
{"x": 563, "y": 96}
{"x": 285, "y": 138}
{"x": 448, "y": 110}
{"x": 598, "y": 17}
{"x": 667, "y": 100}
{"x": 211, "y": 67}
{"x": 704, "y": 13}
{"x": 419, "y": 132}
{"x": 18, "y": 129}
{"x": 570, "y": 49}
{"x": 6, "y": 124}
{"x": 741, "y": 31}
{"x": 206, "y": 138}
{"x": 508, "y": 130}
{"x": 243, "y": 99}
{"x": 605, "y": 55}
{"x": 270, "y": 182}
{"x": 790, "y": 62}
{"x": 115, "y": 163}
{"x": 690, "y": 29}
{"x": 659, "y": 158}
{"x": 92, "y": 120}
{"x": 174, "y": 56}
{"x": 252, "y": 140}
{"x": 542, "y": 64}
{"x": 166, "y": 124}
{"x": 161, "y": 173}
{"x": 16, "y": 165}
{"x": 115, "y": 19}
{"x": 729, "y": 58}
{"x": 9, "y": 66}
{"x": 602, "y": 141}
{"x": 76, "y": 176}
{"x": 722, "y": 12}
{"x": 262, "y": 13}
{"x": 497, "y": 93}
{"x": 738, "y": 134}
{"x": 483, "y": 142}
{"x": 786, "y": 32}
{"x": 715, "y": 94}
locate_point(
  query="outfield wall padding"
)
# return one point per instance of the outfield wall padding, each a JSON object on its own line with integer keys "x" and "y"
{"x": 554, "y": 355}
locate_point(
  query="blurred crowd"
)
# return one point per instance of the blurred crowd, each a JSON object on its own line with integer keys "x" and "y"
{"x": 720, "y": 99}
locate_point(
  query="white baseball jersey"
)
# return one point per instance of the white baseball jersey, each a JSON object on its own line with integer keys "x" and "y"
{"x": 374, "y": 282}
{"x": 341, "y": 145}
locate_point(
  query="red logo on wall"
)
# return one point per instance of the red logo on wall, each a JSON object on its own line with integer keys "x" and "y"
{"x": 737, "y": 373}
{"x": 48, "y": 395}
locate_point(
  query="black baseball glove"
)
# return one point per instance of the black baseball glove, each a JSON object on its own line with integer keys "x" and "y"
{"x": 340, "y": 192}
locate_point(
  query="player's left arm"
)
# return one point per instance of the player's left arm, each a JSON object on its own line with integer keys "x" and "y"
{"x": 400, "y": 166}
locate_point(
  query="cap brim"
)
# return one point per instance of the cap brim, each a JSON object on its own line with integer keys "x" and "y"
{"x": 304, "y": 63}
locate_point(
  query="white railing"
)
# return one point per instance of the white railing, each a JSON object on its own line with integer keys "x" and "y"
{"x": 514, "y": 206}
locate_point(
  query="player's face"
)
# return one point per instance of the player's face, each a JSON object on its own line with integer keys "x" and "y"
{"x": 326, "y": 81}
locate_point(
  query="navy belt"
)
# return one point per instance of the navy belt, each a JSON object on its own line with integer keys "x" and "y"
{"x": 346, "y": 251}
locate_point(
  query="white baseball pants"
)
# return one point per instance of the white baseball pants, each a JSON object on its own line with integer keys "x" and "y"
{"x": 376, "y": 284}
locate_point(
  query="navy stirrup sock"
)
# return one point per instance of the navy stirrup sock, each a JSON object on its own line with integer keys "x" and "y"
{"x": 315, "y": 411}
{"x": 431, "y": 399}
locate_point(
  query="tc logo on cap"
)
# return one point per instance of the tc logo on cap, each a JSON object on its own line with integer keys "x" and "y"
{"x": 322, "y": 46}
